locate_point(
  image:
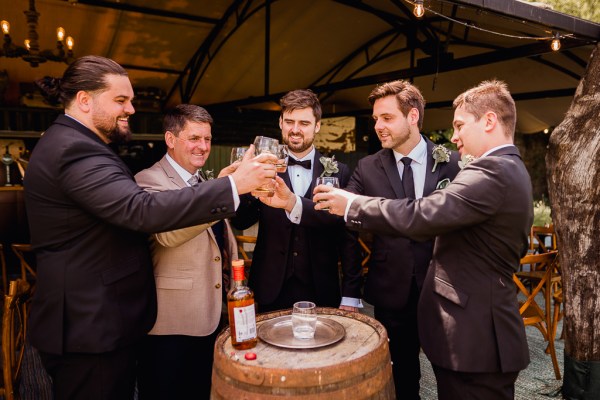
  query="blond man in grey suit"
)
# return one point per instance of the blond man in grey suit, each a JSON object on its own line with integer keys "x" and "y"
{"x": 468, "y": 316}
{"x": 176, "y": 357}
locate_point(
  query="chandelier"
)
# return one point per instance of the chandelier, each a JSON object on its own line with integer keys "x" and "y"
{"x": 31, "y": 52}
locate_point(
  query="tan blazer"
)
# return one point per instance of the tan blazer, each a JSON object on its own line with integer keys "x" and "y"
{"x": 187, "y": 267}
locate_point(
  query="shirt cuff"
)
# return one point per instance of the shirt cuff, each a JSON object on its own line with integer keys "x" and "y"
{"x": 296, "y": 214}
{"x": 351, "y": 302}
{"x": 234, "y": 192}
{"x": 348, "y": 204}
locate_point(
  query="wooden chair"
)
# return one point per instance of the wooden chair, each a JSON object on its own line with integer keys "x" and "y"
{"x": 14, "y": 331}
{"x": 537, "y": 239}
{"x": 367, "y": 256}
{"x": 3, "y": 264}
{"x": 28, "y": 273}
{"x": 542, "y": 277}
{"x": 240, "y": 241}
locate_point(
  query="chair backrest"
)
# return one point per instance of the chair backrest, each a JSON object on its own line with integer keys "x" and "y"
{"x": 14, "y": 332}
{"x": 537, "y": 238}
{"x": 242, "y": 251}
{"x": 3, "y": 265}
{"x": 28, "y": 272}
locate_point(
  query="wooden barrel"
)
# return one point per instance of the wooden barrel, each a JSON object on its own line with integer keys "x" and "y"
{"x": 356, "y": 367}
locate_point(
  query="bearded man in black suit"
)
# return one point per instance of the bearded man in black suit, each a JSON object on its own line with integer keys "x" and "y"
{"x": 298, "y": 248}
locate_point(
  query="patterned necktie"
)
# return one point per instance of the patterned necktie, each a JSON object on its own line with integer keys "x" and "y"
{"x": 193, "y": 181}
{"x": 408, "y": 183}
{"x": 304, "y": 164}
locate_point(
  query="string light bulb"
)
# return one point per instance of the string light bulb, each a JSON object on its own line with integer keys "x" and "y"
{"x": 27, "y": 43}
{"x": 419, "y": 9}
{"x": 70, "y": 43}
{"x": 5, "y": 27}
{"x": 60, "y": 33}
{"x": 555, "y": 45}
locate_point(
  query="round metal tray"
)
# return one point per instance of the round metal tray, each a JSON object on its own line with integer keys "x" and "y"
{"x": 278, "y": 332}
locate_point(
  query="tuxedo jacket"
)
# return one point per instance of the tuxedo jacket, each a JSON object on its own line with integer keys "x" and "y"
{"x": 468, "y": 311}
{"x": 322, "y": 236}
{"x": 187, "y": 266}
{"x": 395, "y": 259}
{"x": 89, "y": 224}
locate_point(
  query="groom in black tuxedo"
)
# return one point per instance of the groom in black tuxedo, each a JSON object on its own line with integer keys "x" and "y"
{"x": 298, "y": 248}
{"x": 406, "y": 167}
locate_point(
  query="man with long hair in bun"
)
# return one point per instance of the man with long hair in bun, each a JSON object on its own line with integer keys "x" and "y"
{"x": 95, "y": 296}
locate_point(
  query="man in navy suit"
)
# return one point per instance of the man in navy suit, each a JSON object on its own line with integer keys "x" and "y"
{"x": 398, "y": 265}
{"x": 469, "y": 322}
{"x": 95, "y": 296}
{"x": 298, "y": 248}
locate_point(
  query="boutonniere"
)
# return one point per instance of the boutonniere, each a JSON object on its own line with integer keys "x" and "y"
{"x": 207, "y": 175}
{"x": 330, "y": 165}
{"x": 440, "y": 154}
{"x": 442, "y": 184}
{"x": 464, "y": 160}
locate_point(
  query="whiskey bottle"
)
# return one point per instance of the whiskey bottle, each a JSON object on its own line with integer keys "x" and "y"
{"x": 240, "y": 307}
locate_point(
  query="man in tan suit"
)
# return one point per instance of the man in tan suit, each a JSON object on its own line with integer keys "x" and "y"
{"x": 468, "y": 316}
{"x": 177, "y": 354}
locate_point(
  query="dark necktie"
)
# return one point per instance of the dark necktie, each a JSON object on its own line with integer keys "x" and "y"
{"x": 304, "y": 164}
{"x": 408, "y": 183}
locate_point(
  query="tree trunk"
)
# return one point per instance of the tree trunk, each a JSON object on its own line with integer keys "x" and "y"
{"x": 573, "y": 168}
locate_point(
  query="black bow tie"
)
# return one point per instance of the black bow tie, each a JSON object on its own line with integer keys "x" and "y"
{"x": 305, "y": 164}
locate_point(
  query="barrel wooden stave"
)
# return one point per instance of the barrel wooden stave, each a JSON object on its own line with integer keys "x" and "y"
{"x": 364, "y": 370}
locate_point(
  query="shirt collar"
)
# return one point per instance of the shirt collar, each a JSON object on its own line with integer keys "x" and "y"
{"x": 182, "y": 172}
{"x": 487, "y": 153}
{"x": 418, "y": 153}
{"x": 309, "y": 156}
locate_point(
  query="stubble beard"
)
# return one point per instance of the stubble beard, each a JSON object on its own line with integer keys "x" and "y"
{"x": 297, "y": 148}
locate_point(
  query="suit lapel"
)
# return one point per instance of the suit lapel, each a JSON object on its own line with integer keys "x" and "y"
{"x": 171, "y": 173}
{"x": 391, "y": 170}
{"x": 431, "y": 178}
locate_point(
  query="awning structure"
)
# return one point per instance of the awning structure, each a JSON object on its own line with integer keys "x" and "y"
{"x": 233, "y": 54}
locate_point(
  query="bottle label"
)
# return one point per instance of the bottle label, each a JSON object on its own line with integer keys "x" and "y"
{"x": 245, "y": 323}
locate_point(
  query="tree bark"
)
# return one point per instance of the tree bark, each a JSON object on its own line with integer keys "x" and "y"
{"x": 573, "y": 169}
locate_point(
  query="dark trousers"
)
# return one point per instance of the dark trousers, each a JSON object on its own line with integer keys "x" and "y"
{"x": 401, "y": 326}
{"x": 103, "y": 376}
{"x": 176, "y": 367}
{"x": 293, "y": 290}
{"x": 453, "y": 385}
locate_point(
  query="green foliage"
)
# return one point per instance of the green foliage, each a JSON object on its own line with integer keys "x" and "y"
{"x": 442, "y": 137}
{"x": 586, "y": 9}
{"x": 542, "y": 214}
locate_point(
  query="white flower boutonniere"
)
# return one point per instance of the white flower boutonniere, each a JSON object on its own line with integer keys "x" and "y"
{"x": 440, "y": 154}
{"x": 330, "y": 165}
{"x": 464, "y": 160}
{"x": 442, "y": 184}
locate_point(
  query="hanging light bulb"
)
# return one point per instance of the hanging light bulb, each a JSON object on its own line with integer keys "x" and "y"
{"x": 27, "y": 44}
{"x": 60, "y": 33}
{"x": 5, "y": 27}
{"x": 70, "y": 43}
{"x": 419, "y": 9}
{"x": 555, "y": 45}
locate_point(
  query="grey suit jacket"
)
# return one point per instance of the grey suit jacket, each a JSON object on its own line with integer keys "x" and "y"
{"x": 187, "y": 266}
{"x": 468, "y": 311}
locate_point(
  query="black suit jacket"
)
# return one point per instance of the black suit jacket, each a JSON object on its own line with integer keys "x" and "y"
{"x": 468, "y": 311}
{"x": 323, "y": 235}
{"x": 88, "y": 219}
{"x": 394, "y": 259}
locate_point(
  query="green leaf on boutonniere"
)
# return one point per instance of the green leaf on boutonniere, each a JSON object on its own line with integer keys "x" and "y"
{"x": 442, "y": 184}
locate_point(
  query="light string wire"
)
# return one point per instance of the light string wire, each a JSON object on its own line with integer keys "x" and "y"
{"x": 473, "y": 26}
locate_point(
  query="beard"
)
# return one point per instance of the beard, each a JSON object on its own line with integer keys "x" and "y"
{"x": 111, "y": 130}
{"x": 119, "y": 135}
{"x": 297, "y": 147}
